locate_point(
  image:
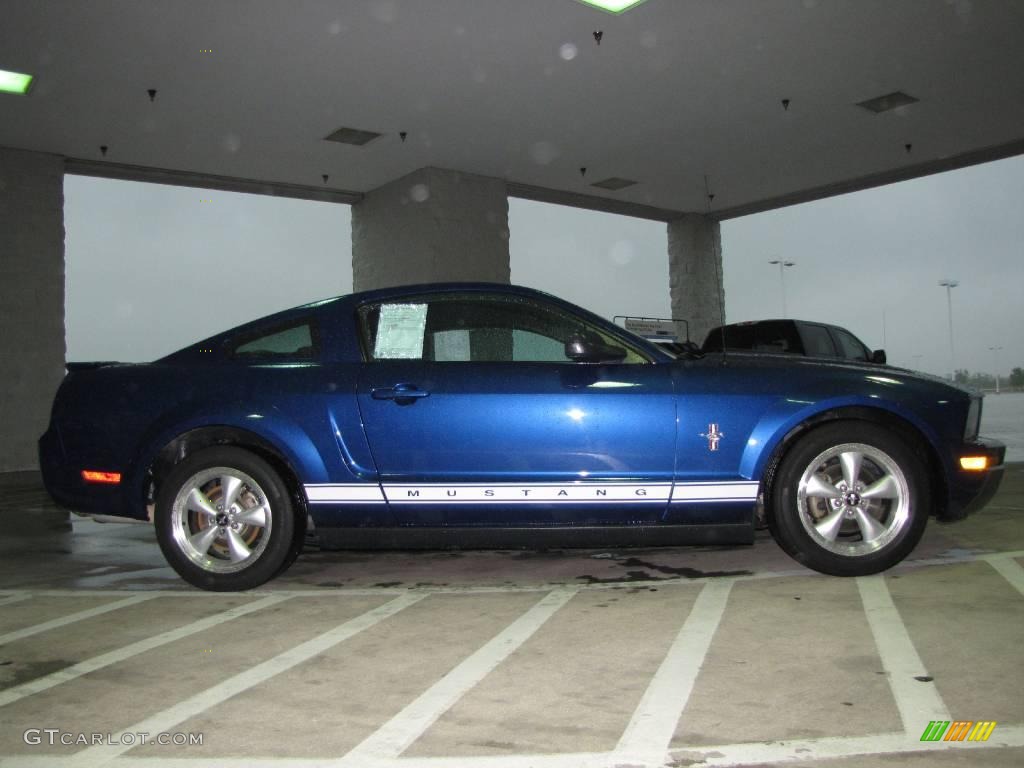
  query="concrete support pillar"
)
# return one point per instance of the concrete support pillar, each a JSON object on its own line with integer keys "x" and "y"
{"x": 433, "y": 225}
{"x": 31, "y": 299}
{"x": 695, "y": 273}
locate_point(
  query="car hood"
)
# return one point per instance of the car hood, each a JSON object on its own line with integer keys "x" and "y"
{"x": 767, "y": 360}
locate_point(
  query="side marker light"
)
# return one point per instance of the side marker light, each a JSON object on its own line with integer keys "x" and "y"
{"x": 974, "y": 463}
{"x": 95, "y": 476}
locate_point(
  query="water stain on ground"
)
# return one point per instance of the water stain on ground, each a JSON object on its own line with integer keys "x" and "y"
{"x": 14, "y": 673}
{"x": 646, "y": 575}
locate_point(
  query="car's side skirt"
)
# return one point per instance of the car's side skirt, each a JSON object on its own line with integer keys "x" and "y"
{"x": 482, "y": 537}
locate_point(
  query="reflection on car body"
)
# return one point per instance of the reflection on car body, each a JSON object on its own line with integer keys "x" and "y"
{"x": 477, "y": 414}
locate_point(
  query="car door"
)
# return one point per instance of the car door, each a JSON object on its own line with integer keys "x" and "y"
{"x": 475, "y": 416}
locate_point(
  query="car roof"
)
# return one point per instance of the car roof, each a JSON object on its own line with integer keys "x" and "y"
{"x": 382, "y": 294}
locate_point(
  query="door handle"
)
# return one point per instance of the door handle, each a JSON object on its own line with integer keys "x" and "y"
{"x": 398, "y": 392}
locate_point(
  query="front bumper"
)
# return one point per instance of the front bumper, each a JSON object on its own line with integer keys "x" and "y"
{"x": 970, "y": 491}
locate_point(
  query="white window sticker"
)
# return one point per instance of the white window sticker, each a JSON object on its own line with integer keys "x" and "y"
{"x": 451, "y": 346}
{"x": 400, "y": 332}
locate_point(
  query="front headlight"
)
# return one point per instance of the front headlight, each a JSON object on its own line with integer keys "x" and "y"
{"x": 973, "y": 425}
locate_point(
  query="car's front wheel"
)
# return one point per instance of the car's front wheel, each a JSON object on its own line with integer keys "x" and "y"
{"x": 850, "y": 499}
{"x": 224, "y": 520}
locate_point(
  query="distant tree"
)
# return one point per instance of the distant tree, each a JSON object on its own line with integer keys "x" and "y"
{"x": 974, "y": 380}
{"x": 982, "y": 381}
{"x": 1017, "y": 377}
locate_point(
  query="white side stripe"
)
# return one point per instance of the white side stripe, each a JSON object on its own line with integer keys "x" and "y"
{"x": 735, "y": 491}
{"x": 345, "y": 494}
{"x": 535, "y": 493}
{"x": 527, "y": 493}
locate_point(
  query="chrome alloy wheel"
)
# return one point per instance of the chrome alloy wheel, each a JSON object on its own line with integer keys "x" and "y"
{"x": 853, "y": 499}
{"x": 221, "y": 520}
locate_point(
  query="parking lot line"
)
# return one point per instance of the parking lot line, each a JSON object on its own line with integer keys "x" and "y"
{"x": 917, "y": 700}
{"x": 1009, "y": 569}
{"x": 71, "y": 618}
{"x": 803, "y": 751}
{"x": 11, "y": 695}
{"x": 814, "y": 750}
{"x": 192, "y": 706}
{"x": 654, "y": 722}
{"x": 14, "y": 598}
{"x": 392, "y": 738}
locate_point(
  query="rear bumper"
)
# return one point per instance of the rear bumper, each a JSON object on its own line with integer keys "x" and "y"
{"x": 969, "y": 492}
{"x": 63, "y": 481}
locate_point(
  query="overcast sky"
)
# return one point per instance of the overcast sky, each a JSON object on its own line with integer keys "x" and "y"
{"x": 151, "y": 268}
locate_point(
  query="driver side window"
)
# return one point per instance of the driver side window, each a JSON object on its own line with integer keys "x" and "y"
{"x": 474, "y": 328}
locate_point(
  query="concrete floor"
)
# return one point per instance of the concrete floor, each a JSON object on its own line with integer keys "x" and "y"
{"x": 610, "y": 658}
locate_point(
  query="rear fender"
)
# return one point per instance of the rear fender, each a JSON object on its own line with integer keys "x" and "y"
{"x": 264, "y": 428}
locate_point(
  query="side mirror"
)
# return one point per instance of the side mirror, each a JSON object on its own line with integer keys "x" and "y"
{"x": 878, "y": 356}
{"x": 591, "y": 349}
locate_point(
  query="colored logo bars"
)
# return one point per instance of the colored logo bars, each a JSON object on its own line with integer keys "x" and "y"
{"x": 958, "y": 730}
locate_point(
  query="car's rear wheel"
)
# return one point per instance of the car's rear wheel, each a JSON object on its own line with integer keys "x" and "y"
{"x": 850, "y": 499}
{"x": 224, "y": 520}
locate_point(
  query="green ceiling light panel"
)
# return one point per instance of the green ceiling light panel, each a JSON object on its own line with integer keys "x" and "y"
{"x": 14, "y": 82}
{"x": 613, "y": 6}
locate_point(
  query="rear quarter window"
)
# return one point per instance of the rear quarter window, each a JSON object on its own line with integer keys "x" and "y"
{"x": 295, "y": 341}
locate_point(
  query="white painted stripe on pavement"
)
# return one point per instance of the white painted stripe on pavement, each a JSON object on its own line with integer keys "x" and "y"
{"x": 392, "y": 738}
{"x": 917, "y": 701}
{"x": 71, "y": 618}
{"x": 163, "y": 722}
{"x": 815, "y": 750}
{"x": 1009, "y": 569}
{"x": 18, "y": 692}
{"x": 16, "y": 598}
{"x": 654, "y": 722}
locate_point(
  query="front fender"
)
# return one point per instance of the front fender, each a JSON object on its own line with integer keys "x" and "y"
{"x": 787, "y": 415}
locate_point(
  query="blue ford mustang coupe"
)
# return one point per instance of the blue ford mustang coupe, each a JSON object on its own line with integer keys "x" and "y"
{"x": 468, "y": 414}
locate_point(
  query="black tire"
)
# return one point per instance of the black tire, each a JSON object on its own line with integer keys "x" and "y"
{"x": 297, "y": 545}
{"x": 856, "y": 534}
{"x": 207, "y": 548}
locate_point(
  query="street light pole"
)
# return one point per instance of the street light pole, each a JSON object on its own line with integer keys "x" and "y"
{"x": 995, "y": 362}
{"x": 949, "y": 285}
{"x": 782, "y": 278}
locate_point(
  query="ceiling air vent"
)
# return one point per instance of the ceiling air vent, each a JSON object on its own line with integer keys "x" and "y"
{"x": 613, "y": 184}
{"x": 352, "y": 136}
{"x": 887, "y": 102}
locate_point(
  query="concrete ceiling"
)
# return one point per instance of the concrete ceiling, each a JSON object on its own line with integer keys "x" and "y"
{"x": 519, "y": 89}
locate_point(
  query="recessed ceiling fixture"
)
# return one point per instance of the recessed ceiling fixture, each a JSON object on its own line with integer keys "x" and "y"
{"x": 613, "y": 6}
{"x": 14, "y": 82}
{"x": 352, "y": 136}
{"x": 613, "y": 183}
{"x": 887, "y": 102}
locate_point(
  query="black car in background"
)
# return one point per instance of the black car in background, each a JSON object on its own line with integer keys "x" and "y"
{"x": 794, "y": 337}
